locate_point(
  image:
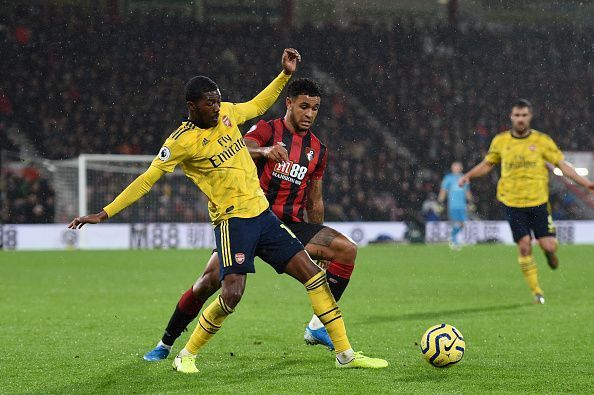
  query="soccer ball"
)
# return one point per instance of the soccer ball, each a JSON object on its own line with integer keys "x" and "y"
{"x": 442, "y": 345}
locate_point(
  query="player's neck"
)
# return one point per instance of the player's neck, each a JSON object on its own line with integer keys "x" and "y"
{"x": 292, "y": 128}
{"x": 197, "y": 123}
{"x": 521, "y": 133}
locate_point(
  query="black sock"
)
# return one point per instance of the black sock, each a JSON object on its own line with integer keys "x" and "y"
{"x": 178, "y": 323}
{"x": 337, "y": 285}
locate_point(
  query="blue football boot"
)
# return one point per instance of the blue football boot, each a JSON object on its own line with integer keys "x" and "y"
{"x": 157, "y": 354}
{"x": 317, "y": 336}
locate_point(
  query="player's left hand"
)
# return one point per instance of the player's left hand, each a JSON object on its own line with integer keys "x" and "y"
{"x": 290, "y": 59}
{"x": 78, "y": 222}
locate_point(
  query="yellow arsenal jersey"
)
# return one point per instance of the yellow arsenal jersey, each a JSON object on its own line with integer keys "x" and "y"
{"x": 524, "y": 178}
{"x": 216, "y": 160}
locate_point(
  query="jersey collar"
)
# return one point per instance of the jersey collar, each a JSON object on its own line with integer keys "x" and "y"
{"x": 520, "y": 138}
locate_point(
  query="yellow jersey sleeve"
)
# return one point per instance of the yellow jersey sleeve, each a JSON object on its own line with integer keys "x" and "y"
{"x": 552, "y": 153}
{"x": 137, "y": 189}
{"x": 243, "y": 112}
{"x": 171, "y": 154}
{"x": 494, "y": 154}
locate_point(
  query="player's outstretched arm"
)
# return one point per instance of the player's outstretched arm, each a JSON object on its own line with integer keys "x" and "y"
{"x": 137, "y": 189}
{"x": 265, "y": 99}
{"x": 276, "y": 152}
{"x": 569, "y": 172}
{"x": 477, "y": 171}
{"x": 315, "y": 203}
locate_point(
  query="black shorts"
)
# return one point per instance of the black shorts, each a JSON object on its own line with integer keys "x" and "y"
{"x": 530, "y": 220}
{"x": 305, "y": 231}
{"x": 239, "y": 240}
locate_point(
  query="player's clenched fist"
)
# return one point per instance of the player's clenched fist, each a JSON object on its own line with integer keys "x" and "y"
{"x": 277, "y": 153}
{"x": 290, "y": 59}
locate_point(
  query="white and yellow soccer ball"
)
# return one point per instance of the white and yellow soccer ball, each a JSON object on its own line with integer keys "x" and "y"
{"x": 442, "y": 345}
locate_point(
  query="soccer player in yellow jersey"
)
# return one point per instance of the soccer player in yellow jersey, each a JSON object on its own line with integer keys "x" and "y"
{"x": 523, "y": 188}
{"x": 211, "y": 151}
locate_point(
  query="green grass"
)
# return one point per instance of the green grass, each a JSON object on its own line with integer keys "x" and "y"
{"x": 81, "y": 321}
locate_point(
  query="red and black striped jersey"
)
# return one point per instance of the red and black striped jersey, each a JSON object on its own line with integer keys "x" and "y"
{"x": 285, "y": 184}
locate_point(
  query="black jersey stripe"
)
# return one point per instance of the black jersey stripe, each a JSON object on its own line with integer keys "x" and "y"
{"x": 294, "y": 191}
{"x": 275, "y": 182}
{"x": 182, "y": 131}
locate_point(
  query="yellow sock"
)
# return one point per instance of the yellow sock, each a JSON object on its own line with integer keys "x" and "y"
{"x": 209, "y": 323}
{"x": 530, "y": 272}
{"x": 325, "y": 307}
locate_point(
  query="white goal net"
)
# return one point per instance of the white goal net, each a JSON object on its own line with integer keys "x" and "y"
{"x": 85, "y": 185}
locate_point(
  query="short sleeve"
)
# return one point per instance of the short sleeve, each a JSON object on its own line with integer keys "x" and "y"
{"x": 260, "y": 133}
{"x": 494, "y": 154}
{"x": 170, "y": 155}
{"x": 552, "y": 153}
{"x": 318, "y": 173}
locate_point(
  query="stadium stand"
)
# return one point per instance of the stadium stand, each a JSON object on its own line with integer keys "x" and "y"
{"x": 435, "y": 87}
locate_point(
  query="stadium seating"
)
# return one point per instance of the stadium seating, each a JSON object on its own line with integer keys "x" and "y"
{"x": 436, "y": 89}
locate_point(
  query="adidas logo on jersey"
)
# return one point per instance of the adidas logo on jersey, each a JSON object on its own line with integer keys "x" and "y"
{"x": 205, "y": 141}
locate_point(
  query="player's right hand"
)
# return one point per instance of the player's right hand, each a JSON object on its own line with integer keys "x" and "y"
{"x": 290, "y": 59}
{"x": 277, "y": 153}
{"x": 78, "y": 222}
{"x": 463, "y": 180}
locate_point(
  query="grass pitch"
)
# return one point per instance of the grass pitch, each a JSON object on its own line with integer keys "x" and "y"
{"x": 81, "y": 321}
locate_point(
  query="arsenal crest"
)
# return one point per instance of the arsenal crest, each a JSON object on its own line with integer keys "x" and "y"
{"x": 227, "y": 121}
{"x": 240, "y": 257}
{"x": 309, "y": 153}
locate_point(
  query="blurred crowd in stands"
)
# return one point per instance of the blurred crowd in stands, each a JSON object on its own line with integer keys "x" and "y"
{"x": 80, "y": 81}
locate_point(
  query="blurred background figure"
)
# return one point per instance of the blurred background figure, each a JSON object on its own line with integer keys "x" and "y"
{"x": 458, "y": 198}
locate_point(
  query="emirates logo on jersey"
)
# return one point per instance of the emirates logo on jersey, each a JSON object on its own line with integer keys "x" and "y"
{"x": 309, "y": 153}
{"x": 227, "y": 121}
{"x": 240, "y": 257}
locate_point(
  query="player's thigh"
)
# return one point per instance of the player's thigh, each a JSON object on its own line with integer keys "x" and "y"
{"x": 301, "y": 267}
{"x": 518, "y": 222}
{"x": 277, "y": 244}
{"x": 541, "y": 222}
{"x": 237, "y": 239}
{"x": 329, "y": 244}
{"x": 209, "y": 281}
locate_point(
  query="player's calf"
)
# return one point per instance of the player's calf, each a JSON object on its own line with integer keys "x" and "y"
{"x": 549, "y": 246}
{"x": 325, "y": 307}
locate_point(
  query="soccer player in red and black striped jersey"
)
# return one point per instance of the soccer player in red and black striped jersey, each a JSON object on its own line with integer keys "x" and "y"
{"x": 291, "y": 161}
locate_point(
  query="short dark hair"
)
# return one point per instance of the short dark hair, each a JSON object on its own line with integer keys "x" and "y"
{"x": 304, "y": 86}
{"x": 522, "y": 103}
{"x": 199, "y": 85}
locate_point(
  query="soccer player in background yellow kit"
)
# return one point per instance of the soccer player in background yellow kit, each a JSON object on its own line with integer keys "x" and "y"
{"x": 523, "y": 188}
{"x": 211, "y": 151}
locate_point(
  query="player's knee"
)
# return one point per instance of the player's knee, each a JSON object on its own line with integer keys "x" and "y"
{"x": 549, "y": 247}
{"x": 207, "y": 284}
{"x": 232, "y": 297}
{"x": 233, "y": 288}
{"x": 525, "y": 247}
{"x": 346, "y": 251}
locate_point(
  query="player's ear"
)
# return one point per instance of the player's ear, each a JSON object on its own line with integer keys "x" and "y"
{"x": 288, "y": 102}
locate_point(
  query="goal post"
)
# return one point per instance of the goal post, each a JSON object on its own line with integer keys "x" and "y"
{"x": 86, "y": 184}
